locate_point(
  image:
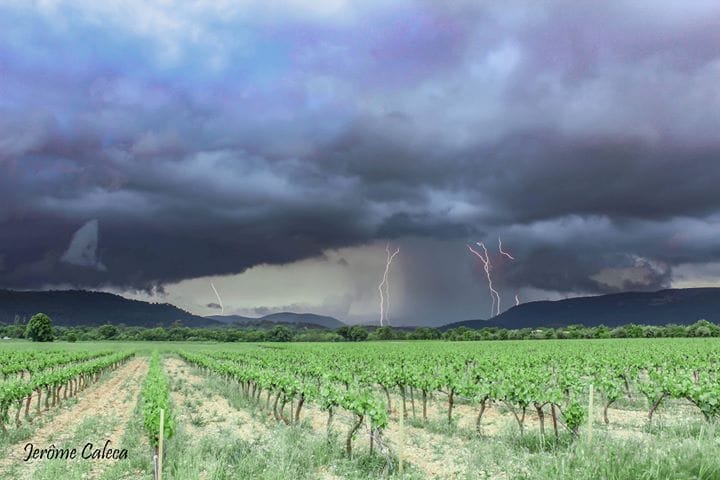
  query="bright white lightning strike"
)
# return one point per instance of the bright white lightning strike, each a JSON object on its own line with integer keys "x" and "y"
{"x": 222, "y": 308}
{"x": 503, "y": 252}
{"x": 384, "y": 286}
{"x": 485, "y": 259}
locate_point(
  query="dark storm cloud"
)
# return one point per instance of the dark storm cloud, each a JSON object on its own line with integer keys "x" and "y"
{"x": 615, "y": 178}
{"x": 584, "y": 132}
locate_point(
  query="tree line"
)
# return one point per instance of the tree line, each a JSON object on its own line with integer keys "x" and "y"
{"x": 40, "y": 328}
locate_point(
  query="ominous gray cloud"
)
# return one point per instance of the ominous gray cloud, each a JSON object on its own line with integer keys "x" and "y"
{"x": 583, "y": 132}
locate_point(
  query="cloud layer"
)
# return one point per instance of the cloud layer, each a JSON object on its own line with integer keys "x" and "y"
{"x": 207, "y": 140}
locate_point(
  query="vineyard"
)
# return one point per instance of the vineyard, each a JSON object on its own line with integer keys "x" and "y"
{"x": 542, "y": 409}
{"x": 29, "y": 374}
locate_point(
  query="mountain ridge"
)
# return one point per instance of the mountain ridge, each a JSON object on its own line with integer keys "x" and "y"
{"x": 284, "y": 317}
{"x": 682, "y": 306}
{"x": 83, "y": 307}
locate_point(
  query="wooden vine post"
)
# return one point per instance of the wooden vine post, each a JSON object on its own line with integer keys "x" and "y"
{"x": 590, "y": 413}
{"x": 160, "y": 444}
{"x": 402, "y": 439}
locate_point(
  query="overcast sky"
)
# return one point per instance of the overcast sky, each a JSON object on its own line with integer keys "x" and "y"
{"x": 150, "y": 148}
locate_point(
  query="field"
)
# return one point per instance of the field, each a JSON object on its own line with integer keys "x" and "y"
{"x": 585, "y": 409}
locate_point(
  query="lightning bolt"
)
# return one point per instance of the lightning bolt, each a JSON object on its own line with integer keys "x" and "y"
{"x": 501, "y": 250}
{"x": 222, "y": 308}
{"x": 487, "y": 266}
{"x": 385, "y": 284}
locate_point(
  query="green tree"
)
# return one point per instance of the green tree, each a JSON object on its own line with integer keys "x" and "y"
{"x": 703, "y": 328}
{"x": 15, "y": 331}
{"x": 650, "y": 331}
{"x": 358, "y": 333}
{"x": 255, "y": 335}
{"x": 108, "y": 331}
{"x": 619, "y": 332}
{"x": 280, "y": 333}
{"x": 601, "y": 331}
{"x": 673, "y": 330}
{"x": 425, "y": 333}
{"x": 383, "y": 333}
{"x": 344, "y": 332}
{"x": 538, "y": 334}
{"x": 232, "y": 336}
{"x": 154, "y": 334}
{"x": 40, "y": 329}
{"x": 634, "y": 331}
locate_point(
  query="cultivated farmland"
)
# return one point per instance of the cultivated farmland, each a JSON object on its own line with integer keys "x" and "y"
{"x": 640, "y": 408}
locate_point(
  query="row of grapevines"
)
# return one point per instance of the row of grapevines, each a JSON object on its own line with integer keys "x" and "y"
{"x": 49, "y": 385}
{"x": 155, "y": 397}
{"x": 284, "y": 387}
{"x": 551, "y": 377}
{"x": 518, "y": 386}
{"x": 17, "y": 362}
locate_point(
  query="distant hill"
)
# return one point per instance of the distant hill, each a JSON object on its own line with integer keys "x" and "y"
{"x": 79, "y": 307}
{"x": 679, "y": 306}
{"x": 230, "y": 319}
{"x": 308, "y": 319}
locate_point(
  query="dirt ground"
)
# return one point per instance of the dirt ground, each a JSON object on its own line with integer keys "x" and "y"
{"x": 114, "y": 398}
{"x": 202, "y": 412}
{"x": 437, "y": 454}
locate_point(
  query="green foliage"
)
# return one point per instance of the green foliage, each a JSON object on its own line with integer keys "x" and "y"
{"x": 39, "y": 328}
{"x": 47, "y": 369}
{"x": 574, "y": 414}
{"x": 424, "y": 333}
{"x": 108, "y": 331}
{"x": 317, "y": 336}
{"x": 177, "y": 332}
{"x": 361, "y": 402}
{"x": 156, "y": 397}
{"x": 704, "y": 393}
{"x": 383, "y": 333}
{"x": 358, "y": 333}
{"x": 279, "y": 333}
{"x": 703, "y": 328}
{"x": 344, "y": 332}
{"x": 347, "y": 379}
{"x": 523, "y": 376}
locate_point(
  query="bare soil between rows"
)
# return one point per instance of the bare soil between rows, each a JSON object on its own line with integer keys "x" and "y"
{"x": 113, "y": 397}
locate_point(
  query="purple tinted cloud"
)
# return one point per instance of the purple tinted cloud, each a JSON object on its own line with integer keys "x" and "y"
{"x": 209, "y": 141}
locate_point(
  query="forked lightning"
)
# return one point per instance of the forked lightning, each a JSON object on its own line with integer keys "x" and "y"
{"x": 384, "y": 286}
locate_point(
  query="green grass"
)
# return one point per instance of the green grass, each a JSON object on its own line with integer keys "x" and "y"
{"x": 139, "y": 463}
{"x": 16, "y": 435}
{"x": 286, "y": 452}
{"x": 89, "y": 429}
{"x": 615, "y": 459}
{"x": 671, "y": 454}
{"x": 669, "y": 448}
